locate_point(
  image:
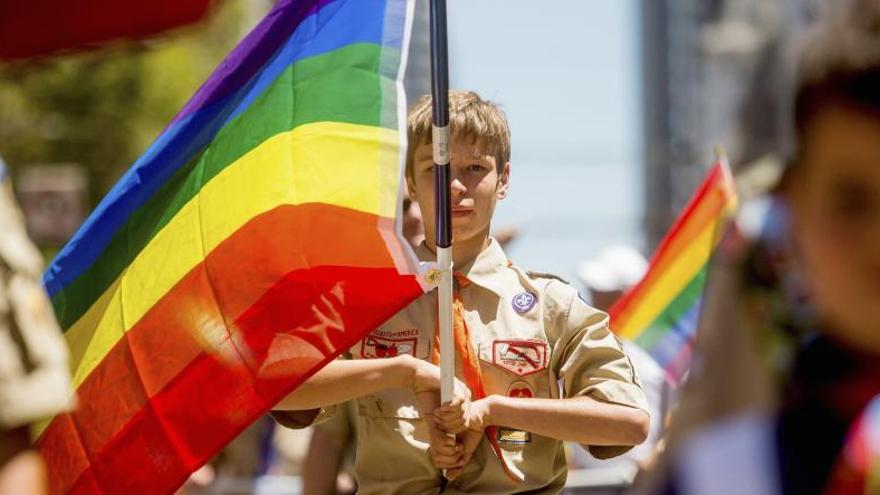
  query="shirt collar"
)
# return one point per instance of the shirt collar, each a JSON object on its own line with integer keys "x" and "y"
{"x": 483, "y": 270}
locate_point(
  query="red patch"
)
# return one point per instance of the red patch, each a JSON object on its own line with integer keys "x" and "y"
{"x": 520, "y": 389}
{"x": 384, "y": 344}
{"x": 522, "y": 357}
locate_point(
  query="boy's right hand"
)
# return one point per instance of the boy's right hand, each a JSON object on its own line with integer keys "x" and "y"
{"x": 425, "y": 378}
{"x": 447, "y": 451}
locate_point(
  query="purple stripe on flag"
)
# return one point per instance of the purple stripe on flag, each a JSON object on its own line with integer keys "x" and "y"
{"x": 253, "y": 52}
{"x": 679, "y": 336}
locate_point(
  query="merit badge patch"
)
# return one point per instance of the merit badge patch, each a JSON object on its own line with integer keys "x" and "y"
{"x": 522, "y": 357}
{"x": 521, "y": 389}
{"x": 383, "y": 343}
{"x": 514, "y": 437}
{"x": 523, "y": 302}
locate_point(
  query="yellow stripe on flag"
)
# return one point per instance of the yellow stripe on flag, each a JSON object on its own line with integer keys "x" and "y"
{"x": 348, "y": 165}
{"x": 679, "y": 273}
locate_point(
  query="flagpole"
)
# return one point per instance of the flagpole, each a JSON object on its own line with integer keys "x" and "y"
{"x": 440, "y": 140}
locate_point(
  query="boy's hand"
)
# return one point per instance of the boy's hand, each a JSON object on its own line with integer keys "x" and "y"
{"x": 445, "y": 449}
{"x": 468, "y": 441}
{"x": 425, "y": 379}
{"x": 469, "y": 419}
{"x": 458, "y": 416}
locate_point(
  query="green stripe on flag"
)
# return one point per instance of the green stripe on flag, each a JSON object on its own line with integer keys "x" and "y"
{"x": 676, "y": 309}
{"x": 340, "y": 86}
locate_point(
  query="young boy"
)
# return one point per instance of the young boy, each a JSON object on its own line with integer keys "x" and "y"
{"x": 530, "y": 333}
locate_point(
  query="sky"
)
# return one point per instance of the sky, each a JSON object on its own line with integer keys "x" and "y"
{"x": 567, "y": 74}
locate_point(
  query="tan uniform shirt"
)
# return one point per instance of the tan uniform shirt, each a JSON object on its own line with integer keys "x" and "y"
{"x": 535, "y": 338}
{"x": 34, "y": 375}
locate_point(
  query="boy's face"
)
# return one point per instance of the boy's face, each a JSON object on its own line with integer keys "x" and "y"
{"x": 836, "y": 211}
{"x": 475, "y": 189}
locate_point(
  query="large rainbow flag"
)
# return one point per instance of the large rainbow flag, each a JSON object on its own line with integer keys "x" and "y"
{"x": 240, "y": 253}
{"x": 660, "y": 313}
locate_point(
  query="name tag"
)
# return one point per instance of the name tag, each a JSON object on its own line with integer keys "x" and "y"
{"x": 514, "y": 437}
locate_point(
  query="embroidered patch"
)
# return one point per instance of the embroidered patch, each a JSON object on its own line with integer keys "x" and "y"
{"x": 522, "y": 357}
{"x": 514, "y": 437}
{"x": 523, "y": 302}
{"x": 520, "y": 389}
{"x": 385, "y": 343}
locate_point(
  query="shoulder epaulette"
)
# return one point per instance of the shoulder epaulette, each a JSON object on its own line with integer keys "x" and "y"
{"x": 535, "y": 274}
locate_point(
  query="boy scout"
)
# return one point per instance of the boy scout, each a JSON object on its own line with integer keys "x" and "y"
{"x": 34, "y": 379}
{"x": 551, "y": 369}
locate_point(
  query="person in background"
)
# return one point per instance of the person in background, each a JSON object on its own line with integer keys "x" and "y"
{"x": 329, "y": 465}
{"x": 606, "y": 277}
{"x": 788, "y": 350}
{"x": 34, "y": 376}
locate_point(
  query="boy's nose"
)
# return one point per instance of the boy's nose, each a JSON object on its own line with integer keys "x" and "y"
{"x": 456, "y": 186}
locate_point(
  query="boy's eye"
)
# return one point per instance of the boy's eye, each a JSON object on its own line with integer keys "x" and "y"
{"x": 475, "y": 167}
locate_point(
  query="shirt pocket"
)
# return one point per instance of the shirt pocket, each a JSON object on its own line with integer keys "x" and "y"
{"x": 398, "y": 403}
{"x": 516, "y": 367}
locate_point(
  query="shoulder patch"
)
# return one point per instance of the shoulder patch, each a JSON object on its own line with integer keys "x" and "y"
{"x": 534, "y": 274}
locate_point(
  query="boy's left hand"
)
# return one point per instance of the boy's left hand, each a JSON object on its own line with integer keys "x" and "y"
{"x": 460, "y": 415}
{"x": 468, "y": 420}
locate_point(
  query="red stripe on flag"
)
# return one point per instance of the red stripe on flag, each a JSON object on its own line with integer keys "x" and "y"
{"x": 290, "y": 318}
{"x": 212, "y": 399}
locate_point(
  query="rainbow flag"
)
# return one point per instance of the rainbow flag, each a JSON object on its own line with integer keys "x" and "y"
{"x": 256, "y": 239}
{"x": 857, "y": 470}
{"x": 660, "y": 313}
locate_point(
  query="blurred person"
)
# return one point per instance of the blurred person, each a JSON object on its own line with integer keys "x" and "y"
{"x": 606, "y": 277}
{"x": 34, "y": 376}
{"x": 517, "y": 332}
{"x": 613, "y": 271}
{"x": 329, "y": 465}
{"x": 506, "y": 235}
{"x": 789, "y": 341}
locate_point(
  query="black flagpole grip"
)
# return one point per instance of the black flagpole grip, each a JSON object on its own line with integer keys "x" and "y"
{"x": 440, "y": 135}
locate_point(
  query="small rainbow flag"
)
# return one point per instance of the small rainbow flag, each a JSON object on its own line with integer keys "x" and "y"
{"x": 256, "y": 239}
{"x": 660, "y": 313}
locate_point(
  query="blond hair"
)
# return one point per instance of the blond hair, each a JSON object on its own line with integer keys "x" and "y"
{"x": 470, "y": 117}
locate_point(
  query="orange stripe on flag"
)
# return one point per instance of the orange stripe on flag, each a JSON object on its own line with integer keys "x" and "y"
{"x": 285, "y": 318}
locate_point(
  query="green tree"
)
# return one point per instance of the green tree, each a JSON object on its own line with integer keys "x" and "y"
{"x": 102, "y": 109}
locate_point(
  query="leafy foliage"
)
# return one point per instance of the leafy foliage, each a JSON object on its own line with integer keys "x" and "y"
{"x": 102, "y": 109}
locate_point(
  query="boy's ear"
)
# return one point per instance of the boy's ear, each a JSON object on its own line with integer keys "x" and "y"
{"x": 410, "y": 188}
{"x": 504, "y": 181}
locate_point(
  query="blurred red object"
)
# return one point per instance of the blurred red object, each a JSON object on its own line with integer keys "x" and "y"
{"x": 36, "y": 28}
